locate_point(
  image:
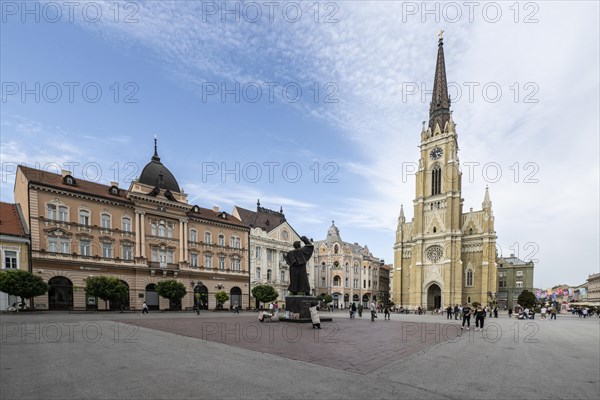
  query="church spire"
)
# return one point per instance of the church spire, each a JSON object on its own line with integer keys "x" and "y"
{"x": 401, "y": 218}
{"x": 487, "y": 203}
{"x": 439, "y": 110}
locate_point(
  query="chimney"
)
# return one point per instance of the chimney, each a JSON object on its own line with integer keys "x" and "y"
{"x": 216, "y": 209}
{"x": 65, "y": 172}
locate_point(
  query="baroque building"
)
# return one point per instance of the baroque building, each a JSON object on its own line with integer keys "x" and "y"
{"x": 443, "y": 256}
{"x": 142, "y": 235}
{"x": 347, "y": 271}
{"x": 271, "y": 236}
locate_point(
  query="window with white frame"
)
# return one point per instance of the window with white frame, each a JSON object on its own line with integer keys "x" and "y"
{"x": 85, "y": 247}
{"x": 127, "y": 251}
{"x": 221, "y": 262}
{"x": 170, "y": 231}
{"x": 322, "y": 281}
{"x": 107, "y": 250}
{"x": 84, "y": 217}
{"x": 519, "y": 273}
{"x": 269, "y": 275}
{"x": 162, "y": 232}
{"x": 63, "y": 213}
{"x": 51, "y": 211}
{"x": 170, "y": 256}
{"x": 221, "y": 240}
{"x": 269, "y": 255}
{"x": 126, "y": 224}
{"x": 257, "y": 273}
{"x": 235, "y": 264}
{"x": 153, "y": 228}
{"x": 207, "y": 238}
{"x": 193, "y": 235}
{"x": 58, "y": 245}
{"x": 194, "y": 260}
{"x": 207, "y": 261}
{"x": 519, "y": 284}
{"x": 257, "y": 251}
{"x": 105, "y": 221}
{"x": 282, "y": 276}
{"x": 11, "y": 260}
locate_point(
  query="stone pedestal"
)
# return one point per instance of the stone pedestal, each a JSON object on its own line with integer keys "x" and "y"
{"x": 301, "y": 304}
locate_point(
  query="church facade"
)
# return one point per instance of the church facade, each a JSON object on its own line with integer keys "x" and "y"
{"x": 444, "y": 256}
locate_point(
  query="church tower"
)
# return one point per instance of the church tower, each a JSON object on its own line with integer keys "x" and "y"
{"x": 428, "y": 254}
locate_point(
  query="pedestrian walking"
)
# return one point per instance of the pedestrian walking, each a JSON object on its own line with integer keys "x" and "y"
{"x": 466, "y": 313}
{"x": 360, "y": 310}
{"x": 314, "y": 316}
{"x": 449, "y": 312}
{"x": 510, "y": 312}
{"x": 373, "y": 311}
{"x": 553, "y": 313}
{"x": 456, "y": 311}
{"x": 543, "y": 312}
{"x": 144, "y": 308}
{"x": 386, "y": 313}
{"x": 479, "y": 318}
{"x": 496, "y": 312}
{"x": 353, "y": 311}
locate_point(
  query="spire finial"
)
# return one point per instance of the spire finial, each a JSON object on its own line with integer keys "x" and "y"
{"x": 439, "y": 110}
{"x": 258, "y": 203}
{"x": 155, "y": 157}
{"x": 441, "y": 34}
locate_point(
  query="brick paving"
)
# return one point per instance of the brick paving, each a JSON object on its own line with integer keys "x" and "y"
{"x": 358, "y": 346}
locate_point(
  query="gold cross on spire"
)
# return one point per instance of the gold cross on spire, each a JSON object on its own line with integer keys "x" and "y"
{"x": 440, "y": 34}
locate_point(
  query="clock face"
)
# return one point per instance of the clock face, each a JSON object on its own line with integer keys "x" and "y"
{"x": 436, "y": 153}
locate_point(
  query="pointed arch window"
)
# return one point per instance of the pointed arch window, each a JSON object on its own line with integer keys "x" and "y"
{"x": 436, "y": 180}
{"x": 469, "y": 278}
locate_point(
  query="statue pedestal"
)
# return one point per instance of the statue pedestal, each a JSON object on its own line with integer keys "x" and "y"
{"x": 301, "y": 304}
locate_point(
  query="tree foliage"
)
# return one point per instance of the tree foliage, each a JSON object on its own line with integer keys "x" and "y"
{"x": 171, "y": 289}
{"x": 221, "y": 298}
{"x": 106, "y": 288}
{"x": 22, "y": 283}
{"x": 265, "y": 293}
{"x": 526, "y": 299}
{"x": 325, "y": 298}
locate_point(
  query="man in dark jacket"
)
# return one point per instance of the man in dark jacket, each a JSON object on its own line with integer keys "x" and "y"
{"x": 466, "y": 316}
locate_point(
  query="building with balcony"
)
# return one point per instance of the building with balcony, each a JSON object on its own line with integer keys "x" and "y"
{"x": 14, "y": 245}
{"x": 350, "y": 273}
{"x": 271, "y": 236}
{"x": 141, "y": 235}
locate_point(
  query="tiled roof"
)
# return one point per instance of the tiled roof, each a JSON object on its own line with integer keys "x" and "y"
{"x": 10, "y": 220}
{"x": 215, "y": 216}
{"x": 82, "y": 186}
{"x": 263, "y": 218}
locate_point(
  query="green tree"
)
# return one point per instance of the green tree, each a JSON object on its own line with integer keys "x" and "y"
{"x": 22, "y": 283}
{"x": 526, "y": 299}
{"x": 325, "y": 298}
{"x": 221, "y": 298}
{"x": 264, "y": 293}
{"x": 106, "y": 288}
{"x": 172, "y": 290}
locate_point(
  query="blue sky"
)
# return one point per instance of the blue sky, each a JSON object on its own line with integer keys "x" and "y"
{"x": 532, "y": 113}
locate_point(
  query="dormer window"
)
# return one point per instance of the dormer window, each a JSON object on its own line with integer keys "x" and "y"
{"x": 69, "y": 180}
{"x": 114, "y": 190}
{"x": 196, "y": 209}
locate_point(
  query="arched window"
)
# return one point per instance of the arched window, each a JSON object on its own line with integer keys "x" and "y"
{"x": 105, "y": 221}
{"x": 207, "y": 237}
{"x": 207, "y": 261}
{"x": 337, "y": 281}
{"x": 153, "y": 229}
{"x": 84, "y": 217}
{"x": 336, "y": 249}
{"x": 126, "y": 224}
{"x": 63, "y": 214}
{"x": 221, "y": 240}
{"x": 269, "y": 275}
{"x": 436, "y": 180}
{"x": 470, "y": 231}
{"x": 193, "y": 235}
{"x": 51, "y": 211}
{"x": 469, "y": 277}
{"x": 257, "y": 272}
{"x": 282, "y": 276}
{"x": 161, "y": 229}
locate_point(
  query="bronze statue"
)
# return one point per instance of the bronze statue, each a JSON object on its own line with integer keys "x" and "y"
{"x": 297, "y": 260}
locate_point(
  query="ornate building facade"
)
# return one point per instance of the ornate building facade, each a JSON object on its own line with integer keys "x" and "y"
{"x": 141, "y": 235}
{"x": 443, "y": 256}
{"x": 271, "y": 236}
{"x": 514, "y": 276}
{"x": 347, "y": 271}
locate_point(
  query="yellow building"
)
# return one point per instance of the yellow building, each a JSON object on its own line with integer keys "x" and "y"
{"x": 14, "y": 245}
{"x": 141, "y": 235}
{"x": 443, "y": 256}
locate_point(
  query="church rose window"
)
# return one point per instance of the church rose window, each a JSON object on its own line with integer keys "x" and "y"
{"x": 434, "y": 253}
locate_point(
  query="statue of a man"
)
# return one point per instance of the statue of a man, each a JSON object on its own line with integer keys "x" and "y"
{"x": 297, "y": 260}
